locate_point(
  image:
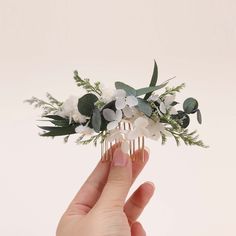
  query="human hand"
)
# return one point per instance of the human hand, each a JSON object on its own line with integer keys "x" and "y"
{"x": 100, "y": 209}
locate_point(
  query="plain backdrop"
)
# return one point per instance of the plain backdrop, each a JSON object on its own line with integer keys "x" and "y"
{"x": 43, "y": 42}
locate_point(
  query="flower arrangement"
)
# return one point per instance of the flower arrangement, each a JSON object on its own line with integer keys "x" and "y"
{"x": 97, "y": 115}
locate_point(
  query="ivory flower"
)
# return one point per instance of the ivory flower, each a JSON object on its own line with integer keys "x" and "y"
{"x": 123, "y": 101}
{"x": 114, "y": 117}
{"x": 166, "y": 106}
{"x": 69, "y": 109}
{"x": 115, "y": 135}
{"x": 140, "y": 129}
{"x": 155, "y": 129}
{"x": 85, "y": 130}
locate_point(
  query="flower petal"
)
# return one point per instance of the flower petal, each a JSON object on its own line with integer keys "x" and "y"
{"x": 153, "y": 97}
{"x": 128, "y": 112}
{"x": 113, "y": 135}
{"x": 120, "y": 93}
{"x": 141, "y": 122}
{"x": 109, "y": 114}
{"x": 133, "y": 134}
{"x": 120, "y": 103}
{"x": 118, "y": 115}
{"x": 83, "y": 130}
{"x": 169, "y": 99}
{"x": 112, "y": 125}
{"x": 163, "y": 108}
{"x": 173, "y": 111}
{"x": 131, "y": 101}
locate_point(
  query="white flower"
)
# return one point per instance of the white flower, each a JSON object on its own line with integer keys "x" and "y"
{"x": 107, "y": 94}
{"x": 85, "y": 130}
{"x": 124, "y": 102}
{"x": 154, "y": 97}
{"x": 166, "y": 106}
{"x": 113, "y": 117}
{"x": 115, "y": 135}
{"x": 69, "y": 109}
{"x": 140, "y": 129}
{"x": 155, "y": 129}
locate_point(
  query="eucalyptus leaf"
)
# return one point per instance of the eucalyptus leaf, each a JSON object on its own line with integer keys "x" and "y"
{"x": 199, "y": 116}
{"x": 153, "y": 80}
{"x": 96, "y": 120}
{"x": 190, "y": 105}
{"x": 144, "y": 107}
{"x": 86, "y": 104}
{"x": 129, "y": 90}
{"x": 185, "y": 121}
{"x": 147, "y": 90}
{"x": 182, "y": 118}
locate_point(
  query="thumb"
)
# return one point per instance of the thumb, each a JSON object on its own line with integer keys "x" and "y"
{"x": 119, "y": 181}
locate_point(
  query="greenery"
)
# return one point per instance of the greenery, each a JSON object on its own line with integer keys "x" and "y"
{"x": 49, "y": 107}
{"x": 188, "y": 138}
{"x": 91, "y": 105}
{"x": 86, "y": 84}
{"x": 172, "y": 91}
{"x": 86, "y": 104}
{"x": 153, "y": 80}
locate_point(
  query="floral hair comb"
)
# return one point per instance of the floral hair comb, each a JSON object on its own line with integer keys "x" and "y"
{"x": 123, "y": 116}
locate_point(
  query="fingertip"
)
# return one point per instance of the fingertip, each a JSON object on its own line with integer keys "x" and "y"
{"x": 137, "y": 229}
{"x": 149, "y": 187}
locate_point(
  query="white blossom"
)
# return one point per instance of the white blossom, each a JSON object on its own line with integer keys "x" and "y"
{"x": 155, "y": 129}
{"x": 69, "y": 109}
{"x": 83, "y": 129}
{"x": 124, "y": 101}
{"x": 140, "y": 129}
{"x": 115, "y": 135}
{"x": 114, "y": 117}
{"x": 166, "y": 106}
{"x": 108, "y": 94}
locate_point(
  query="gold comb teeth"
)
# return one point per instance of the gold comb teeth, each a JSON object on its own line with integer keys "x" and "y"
{"x": 107, "y": 146}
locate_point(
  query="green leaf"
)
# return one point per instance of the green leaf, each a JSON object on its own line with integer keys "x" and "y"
{"x": 55, "y": 117}
{"x": 153, "y": 80}
{"x": 147, "y": 90}
{"x": 62, "y": 123}
{"x": 129, "y": 90}
{"x": 199, "y": 116}
{"x": 49, "y": 128}
{"x": 182, "y": 118}
{"x": 144, "y": 107}
{"x": 190, "y": 105}
{"x": 86, "y": 104}
{"x": 96, "y": 120}
{"x": 58, "y": 131}
{"x": 185, "y": 121}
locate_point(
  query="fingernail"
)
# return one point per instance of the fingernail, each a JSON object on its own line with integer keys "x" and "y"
{"x": 150, "y": 183}
{"x": 120, "y": 158}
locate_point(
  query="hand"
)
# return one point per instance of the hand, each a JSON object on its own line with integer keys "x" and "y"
{"x": 99, "y": 208}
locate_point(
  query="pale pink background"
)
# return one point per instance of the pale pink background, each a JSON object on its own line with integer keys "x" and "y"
{"x": 42, "y": 42}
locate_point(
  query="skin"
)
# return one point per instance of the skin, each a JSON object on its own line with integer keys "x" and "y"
{"x": 100, "y": 207}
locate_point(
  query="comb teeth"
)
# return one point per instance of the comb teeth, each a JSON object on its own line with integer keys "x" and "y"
{"x": 107, "y": 151}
